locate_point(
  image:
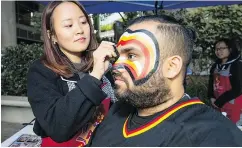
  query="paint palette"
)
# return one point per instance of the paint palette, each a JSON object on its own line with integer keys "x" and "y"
{"x": 240, "y": 127}
{"x": 27, "y": 140}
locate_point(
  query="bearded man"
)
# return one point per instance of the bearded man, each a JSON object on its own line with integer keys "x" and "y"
{"x": 153, "y": 109}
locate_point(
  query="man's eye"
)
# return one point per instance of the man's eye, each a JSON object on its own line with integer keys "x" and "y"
{"x": 131, "y": 56}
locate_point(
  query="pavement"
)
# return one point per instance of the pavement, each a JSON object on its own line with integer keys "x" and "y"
{"x": 8, "y": 129}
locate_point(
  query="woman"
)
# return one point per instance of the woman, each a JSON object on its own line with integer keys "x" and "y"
{"x": 65, "y": 99}
{"x": 225, "y": 83}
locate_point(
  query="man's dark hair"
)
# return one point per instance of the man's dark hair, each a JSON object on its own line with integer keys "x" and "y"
{"x": 175, "y": 38}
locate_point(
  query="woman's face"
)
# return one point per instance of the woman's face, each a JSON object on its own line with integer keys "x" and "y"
{"x": 222, "y": 50}
{"x": 72, "y": 31}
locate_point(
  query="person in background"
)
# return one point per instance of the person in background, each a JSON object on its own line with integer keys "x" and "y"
{"x": 67, "y": 89}
{"x": 225, "y": 81}
{"x": 153, "y": 108}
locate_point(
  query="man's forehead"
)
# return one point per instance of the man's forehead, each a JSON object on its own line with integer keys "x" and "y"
{"x": 151, "y": 26}
{"x": 143, "y": 34}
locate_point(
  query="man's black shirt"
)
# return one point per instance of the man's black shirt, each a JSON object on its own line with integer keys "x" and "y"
{"x": 192, "y": 125}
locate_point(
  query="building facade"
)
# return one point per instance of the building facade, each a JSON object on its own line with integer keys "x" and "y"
{"x": 17, "y": 24}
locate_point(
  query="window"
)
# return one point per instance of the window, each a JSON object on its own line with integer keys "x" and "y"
{"x": 25, "y": 11}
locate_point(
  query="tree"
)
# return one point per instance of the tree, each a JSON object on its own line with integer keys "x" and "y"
{"x": 36, "y": 21}
{"x": 210, "y": 24}
{"x": 15, "y": 64}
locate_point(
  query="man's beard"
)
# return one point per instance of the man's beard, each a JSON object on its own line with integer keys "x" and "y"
{"x": 150, "y": 94}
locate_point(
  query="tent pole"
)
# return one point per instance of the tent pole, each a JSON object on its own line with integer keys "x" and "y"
{"x": 156, "y": 7}
{"x": 122, "y": 17}
{"x": 160, "y": 7}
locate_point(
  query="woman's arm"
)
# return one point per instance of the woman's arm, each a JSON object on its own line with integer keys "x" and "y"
{"x": 61, "y": 117}
{"x": 210, "y": 83}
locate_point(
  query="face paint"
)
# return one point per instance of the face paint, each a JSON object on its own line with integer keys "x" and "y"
{"x": 148, "y": 44}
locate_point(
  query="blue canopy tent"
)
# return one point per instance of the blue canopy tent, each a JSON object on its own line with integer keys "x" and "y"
{"x": 110, "y": 6}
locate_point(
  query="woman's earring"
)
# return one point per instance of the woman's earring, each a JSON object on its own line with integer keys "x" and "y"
{"x": 50, "y": 37}
{"x": 48, "y": 33}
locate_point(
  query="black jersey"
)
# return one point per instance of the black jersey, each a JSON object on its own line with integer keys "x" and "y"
{"x": 189, "y": 122}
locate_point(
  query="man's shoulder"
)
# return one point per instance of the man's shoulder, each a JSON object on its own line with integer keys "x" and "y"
{"x": 204, "y": 125}
{"x": 201, "y": 116}
{"x": 201, "y": 113}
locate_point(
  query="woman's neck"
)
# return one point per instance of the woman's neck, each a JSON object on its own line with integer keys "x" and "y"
{"x": 224, "y": 60}
{"x": 74, "y": 57}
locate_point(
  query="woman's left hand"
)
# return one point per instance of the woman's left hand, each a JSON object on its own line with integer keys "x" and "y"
{"x": 212, "y": 102}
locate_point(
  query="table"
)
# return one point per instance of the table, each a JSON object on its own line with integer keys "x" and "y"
{"x": 30, "y": 140}
{"x": 240, "y": 127}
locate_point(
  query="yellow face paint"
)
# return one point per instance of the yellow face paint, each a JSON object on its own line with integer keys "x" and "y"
{"x": 148, "y": 44}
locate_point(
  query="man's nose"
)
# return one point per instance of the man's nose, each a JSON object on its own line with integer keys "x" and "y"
{"x": 118, "y": 66}
{"x": 118, "y": 72}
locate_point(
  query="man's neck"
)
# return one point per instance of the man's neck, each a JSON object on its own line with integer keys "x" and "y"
{"x": 151, "y": 111}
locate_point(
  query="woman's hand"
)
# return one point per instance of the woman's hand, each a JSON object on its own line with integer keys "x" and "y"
{"x": 212, "y": 102}
{"x": 101, "y": 57}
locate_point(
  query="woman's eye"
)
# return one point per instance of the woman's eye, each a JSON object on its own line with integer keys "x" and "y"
{"x": 131, "y": 56}
{"x": 84, "y": 22}
{"x": 68, "y": 26}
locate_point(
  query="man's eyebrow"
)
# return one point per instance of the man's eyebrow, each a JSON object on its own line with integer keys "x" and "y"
{"x": 126, "y": 49}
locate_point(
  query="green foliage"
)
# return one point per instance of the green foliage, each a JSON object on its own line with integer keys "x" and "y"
{"x": 107, "y": 27}
{"x": 96, "y": 21}
{"x": 197, "y": 87}
{"x": 36, "y": 22}
{"x": 211, "y": 23}
{"x": 15, "y": 64}
{"x": 104, "y": 16}
{"x": 130, "y": 16}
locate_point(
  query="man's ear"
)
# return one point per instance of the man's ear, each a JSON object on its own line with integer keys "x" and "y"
{"x": 172, "y": 66}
